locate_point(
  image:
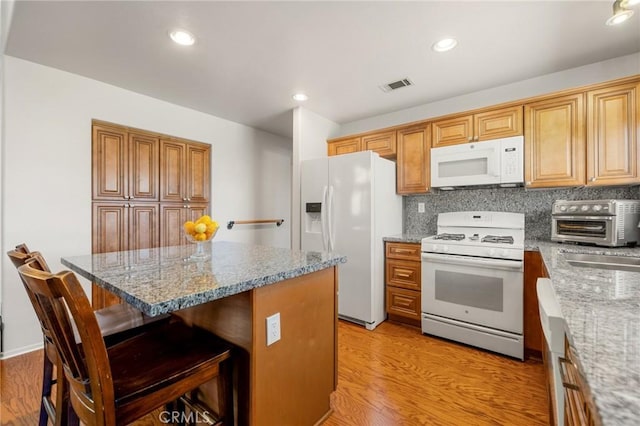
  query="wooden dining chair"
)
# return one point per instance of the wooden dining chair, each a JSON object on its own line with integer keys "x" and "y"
{"x": 118, "y": 384}
{"x": 117, "y": 323}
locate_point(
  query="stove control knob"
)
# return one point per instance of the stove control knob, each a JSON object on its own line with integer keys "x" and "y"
{"x": 597, "y": 208}
{"x": 584, "y": 208}
{"x": 436, "y": 247}
{"x": 445, "y": 249}
{"x": 562, "y": 208}
{"x": 492, "y": 252}
{"x": 573, "y": 208}
{"x": 504, "y": 253}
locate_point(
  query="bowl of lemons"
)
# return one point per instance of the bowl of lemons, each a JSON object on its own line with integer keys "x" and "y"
{"x": 200, "y": 232}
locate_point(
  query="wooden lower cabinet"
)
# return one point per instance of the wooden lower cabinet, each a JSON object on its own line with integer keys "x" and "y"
{"x": 403, "y": 282}
{"x": 120, "y": 226}
{"x": 533, "y": 337}
{"x": 172, "y": 218}
{"x": 579, "y": 409}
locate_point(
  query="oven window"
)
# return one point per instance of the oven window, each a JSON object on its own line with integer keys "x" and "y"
{"x": 587, "y": 228}
{"x": 471, "y": 167}
{"x": 469, "y": 290}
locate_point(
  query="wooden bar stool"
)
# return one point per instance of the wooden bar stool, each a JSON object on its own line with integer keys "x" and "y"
{"x": 119, "y": 384}
{"x": 117, "y": 323}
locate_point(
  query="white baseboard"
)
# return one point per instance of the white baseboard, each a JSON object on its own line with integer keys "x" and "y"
{"x": 21, "y": 351}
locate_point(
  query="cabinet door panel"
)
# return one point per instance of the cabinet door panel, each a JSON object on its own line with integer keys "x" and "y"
{"x": 404, "y": 273}
{"x": 110, "y": 230}
{"x": 405, "y": 303}
{"x": 343, "y": 146}
{"x": 172, "y": 218}
{"x": 143, "y": 167}
{"x": 555, "y": 142}
{"x": 452, "y": 131}
{"x": 198, "y": 173}
{"x": 501, "y": 123}
{"x": 613, "y": 118}
{"x": 413, "y": 168}
{"x": 195, "y": 211}
{"x": 382, "y": 143}
{"x": 109, "y": 167}
{"x": 143, "y": 226}
{"x": 172, "y": 163}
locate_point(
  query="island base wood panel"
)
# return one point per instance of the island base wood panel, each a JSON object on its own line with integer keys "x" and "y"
{"x": 290, "y": 381}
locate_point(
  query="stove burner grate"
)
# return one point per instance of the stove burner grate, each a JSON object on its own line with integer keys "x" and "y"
{"x": 454, "y": 237}
{"x": 501, "y": 239}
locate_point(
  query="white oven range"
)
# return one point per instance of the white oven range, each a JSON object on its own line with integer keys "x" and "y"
{"x": 472, "y": 280}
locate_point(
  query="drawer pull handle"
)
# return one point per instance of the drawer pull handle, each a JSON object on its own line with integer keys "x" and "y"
{"x": 402, "y": 250}
{"x": 403, "y": 274}
{"x": 565, "y": 364}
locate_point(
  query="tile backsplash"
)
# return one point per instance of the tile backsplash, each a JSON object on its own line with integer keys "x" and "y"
{"x": 534, "y": 203}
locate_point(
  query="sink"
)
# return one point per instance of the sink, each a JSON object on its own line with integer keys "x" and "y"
{"x": 604, "y": 261}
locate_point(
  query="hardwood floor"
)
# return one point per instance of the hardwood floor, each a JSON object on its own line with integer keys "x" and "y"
{"x": 390, "y": 376}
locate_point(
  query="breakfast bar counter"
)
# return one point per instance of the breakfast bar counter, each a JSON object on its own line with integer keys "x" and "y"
{"x": 231, "y": 294}
{"x": 601, "y": 308}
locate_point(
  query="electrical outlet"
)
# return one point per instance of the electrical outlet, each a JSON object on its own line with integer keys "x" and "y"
{"x": 420, "y": 207}
{"x": 273, "y": 328}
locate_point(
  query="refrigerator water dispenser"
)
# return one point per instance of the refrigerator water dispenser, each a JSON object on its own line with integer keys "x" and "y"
{"x": 313, "y": 218}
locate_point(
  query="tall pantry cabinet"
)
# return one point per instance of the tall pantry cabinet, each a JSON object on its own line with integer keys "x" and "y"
{"x": 145, "y": 185}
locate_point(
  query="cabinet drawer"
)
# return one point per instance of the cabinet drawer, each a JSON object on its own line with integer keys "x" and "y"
{"x": 402, "y": 302}
{"x": 405, "y": 251}
{"x": 403, "y": 273}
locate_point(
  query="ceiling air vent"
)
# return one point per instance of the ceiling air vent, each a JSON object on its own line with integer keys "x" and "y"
{"x": 396, "y": 85}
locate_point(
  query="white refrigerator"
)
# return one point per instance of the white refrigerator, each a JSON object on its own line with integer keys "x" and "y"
{"x": 349, "y": 203}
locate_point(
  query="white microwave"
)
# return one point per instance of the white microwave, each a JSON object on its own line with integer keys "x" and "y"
{"x": 493, "y": 162}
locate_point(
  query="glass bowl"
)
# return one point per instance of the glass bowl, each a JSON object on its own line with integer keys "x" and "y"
{"x": 200, "y": 253}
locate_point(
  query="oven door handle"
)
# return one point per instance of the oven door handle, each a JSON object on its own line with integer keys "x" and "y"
{"x": 474, "y": 261}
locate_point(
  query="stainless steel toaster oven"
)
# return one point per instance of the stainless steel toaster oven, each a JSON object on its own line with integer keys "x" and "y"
{"x": 610, "y": 223}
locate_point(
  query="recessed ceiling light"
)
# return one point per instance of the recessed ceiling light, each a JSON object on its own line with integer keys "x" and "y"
{"x": 182, "y": 37}
{"x": 444, "y": 44}
{"x": 620, "y": 13}
{"x": 300, "y": 97}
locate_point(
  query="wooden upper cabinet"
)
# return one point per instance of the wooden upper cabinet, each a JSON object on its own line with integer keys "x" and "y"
{"x": 144, "y": 155}
{"x": 198, "y": 173}
{"x": 185, "y": 175}
{"x": 613, "y": 134}
{"x": 109, "y": 163}
{"x": 125, "y": 165}
{"x": 491, "y": 124}
{"x": 343, "y": 146}
{"x": 555, "y": 142}
{"x": 412, "y": 164}
{"x": 383, "y": 143}
{"x": 452, "y": 131}
{"x": 499, "y": 123}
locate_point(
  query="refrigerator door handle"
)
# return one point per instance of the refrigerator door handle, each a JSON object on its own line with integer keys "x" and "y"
{"x": 323, "y": 220}
{"x": 330, "y": 216}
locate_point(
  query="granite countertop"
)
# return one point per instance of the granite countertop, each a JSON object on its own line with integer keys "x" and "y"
{"x": 163, "y": 279}
{"x": 602, "y": 311}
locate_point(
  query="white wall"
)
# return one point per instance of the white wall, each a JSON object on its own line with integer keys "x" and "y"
{"x": 310, "y": 134}
{"x": 47, "y": 167}
{"x": 589, "y": 74}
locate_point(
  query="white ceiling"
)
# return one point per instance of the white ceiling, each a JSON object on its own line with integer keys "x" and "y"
{"x": 250, "y": 57}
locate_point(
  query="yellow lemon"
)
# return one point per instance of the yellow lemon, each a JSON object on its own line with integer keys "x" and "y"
{"x": 211, "y": 227}
{"x": 200, "y": 237}
{"x": 189, "y": 227}
{"x": 206, "y": 219}
{"x": 200, "y": 228}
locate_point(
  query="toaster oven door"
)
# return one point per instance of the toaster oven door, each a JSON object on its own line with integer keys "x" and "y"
{"x": 587, "y": 229}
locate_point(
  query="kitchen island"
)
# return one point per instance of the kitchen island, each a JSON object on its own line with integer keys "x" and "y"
{"x": 601, "y": 308}
{"x": 231, "y": 294}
